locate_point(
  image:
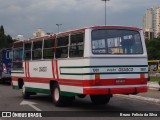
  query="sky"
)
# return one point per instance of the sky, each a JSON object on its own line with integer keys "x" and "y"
{"x": 26, "y": 16}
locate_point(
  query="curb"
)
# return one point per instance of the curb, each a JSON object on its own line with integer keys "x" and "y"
{"x": 153, "y": 85}
{"x": 154, "y": 88}
{"x": 136, "y": 97}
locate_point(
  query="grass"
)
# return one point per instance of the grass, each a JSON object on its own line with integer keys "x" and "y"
{"x": 154, "y": 79}
{"x": 154, "y": 76}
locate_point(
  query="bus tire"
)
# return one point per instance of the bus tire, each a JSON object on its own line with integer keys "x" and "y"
{"x": 58, "y": 99}
{"x": 25, "y": 94}
{"x": 100, "y": 99}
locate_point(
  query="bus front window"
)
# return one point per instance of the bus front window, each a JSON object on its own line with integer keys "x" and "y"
{"x": 116, "y": 41}
{"x": 9, "y": 55}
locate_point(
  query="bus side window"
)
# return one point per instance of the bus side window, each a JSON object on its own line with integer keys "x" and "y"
{"x": 77, "y": 45}
{"x": 48, "y": 51}
{"x": 27, "y": 51}
{"x": 37, "y": 50}
{"x": 62, "y": 47}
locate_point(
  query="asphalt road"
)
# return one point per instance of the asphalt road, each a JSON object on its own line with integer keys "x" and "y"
{"x": 11, "y": 100}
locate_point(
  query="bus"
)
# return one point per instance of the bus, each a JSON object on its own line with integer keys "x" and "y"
{"x": 5, "y": 65}
{"x": 154, "y": 65}
{"x": 98, "y": 61}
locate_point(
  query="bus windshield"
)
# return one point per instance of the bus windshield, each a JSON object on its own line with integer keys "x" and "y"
{"x": 116, "y": 41}
{"x": 9, "y": 55}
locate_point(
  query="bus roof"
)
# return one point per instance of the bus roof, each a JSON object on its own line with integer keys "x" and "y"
{"x": 78, "y": 30}
{"x": 100, "y": 27}
{"x": 32, "y": 39}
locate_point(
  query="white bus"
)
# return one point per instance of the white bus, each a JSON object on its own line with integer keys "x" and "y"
{"x": 98, "y": 61}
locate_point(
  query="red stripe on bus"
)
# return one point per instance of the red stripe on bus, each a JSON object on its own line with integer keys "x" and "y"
{"x": 142, "y": 89}
{"x": 25, "y": 69}
{"x": 133, "y": 81}
{"x": 99, "y": 27}
{"x": 28, "y": 71}
{"x": 55, "y": 43}
{"x": 16, "y": 78}
{"x": 53, "y": 69}
{"x": 122, "y": 90}
{"x": 72, "y": 84}
{"x": 95, "y": 91}
{"x": 104, "y": 82}
{"x": 45, "y": 81}
{"x": 115, "y": 27}
{"x": 57, "y": 70}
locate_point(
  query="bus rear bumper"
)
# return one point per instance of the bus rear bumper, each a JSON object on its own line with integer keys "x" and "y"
{"x": 102, "y": 91}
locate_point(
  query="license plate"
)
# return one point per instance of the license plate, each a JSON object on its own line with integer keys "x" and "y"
{"x": 120, "y": 81}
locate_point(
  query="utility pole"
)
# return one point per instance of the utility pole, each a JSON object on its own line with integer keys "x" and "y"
{"x": 105, "y": 9}
{"x": 58, "y": 25}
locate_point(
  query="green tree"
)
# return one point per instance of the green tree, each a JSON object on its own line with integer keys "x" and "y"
{"x": 5, "y": 40}
{"x": 153, "y": 48}
{"x": 1, "y": 30}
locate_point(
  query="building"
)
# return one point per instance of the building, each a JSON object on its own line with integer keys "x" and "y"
{"x": 19, "y": 37}
{"x": 151, "y": 23}
{"x": 39, "y": 33}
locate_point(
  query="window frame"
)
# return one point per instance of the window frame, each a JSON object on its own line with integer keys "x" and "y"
{"x": 37, "y": 49}
{"x": 28, "y": 51}
{"x": 64, "y": 46}
{"x": 79, "y": 44}
{"x": 50, "y": 48}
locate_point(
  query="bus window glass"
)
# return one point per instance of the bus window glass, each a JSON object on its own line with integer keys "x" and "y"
{"x": 62, "y": 47}
{"x": 27, "y": 51}
{"x": 49, "y": 43}
{"x": 77, "y": 45}
{"x": 18, "y": 54}
{"x": 119, "y": 41}
{"x": 17, "y": 58}
{"x": 9, "y": 55}
{"x": 48, "y": 51}
{"x": 37, "y": 50}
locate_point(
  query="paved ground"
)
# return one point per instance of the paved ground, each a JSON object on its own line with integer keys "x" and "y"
{"x": 11, "y": 100}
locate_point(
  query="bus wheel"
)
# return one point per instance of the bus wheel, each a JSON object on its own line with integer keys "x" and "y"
{"x": 58, "y": 99}
{"x": 25, "y": 95}
{"x": 100, "y": 99}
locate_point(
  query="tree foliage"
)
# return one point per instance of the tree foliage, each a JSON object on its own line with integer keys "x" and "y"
{"x": 5, "y": 40}
{"x": 153, "y": 49}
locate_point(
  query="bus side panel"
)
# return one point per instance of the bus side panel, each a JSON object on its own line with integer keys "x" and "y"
{"x": 38, "y": 76}
{"x": 118, "y": 76}
{"x": 72, "y": 75}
